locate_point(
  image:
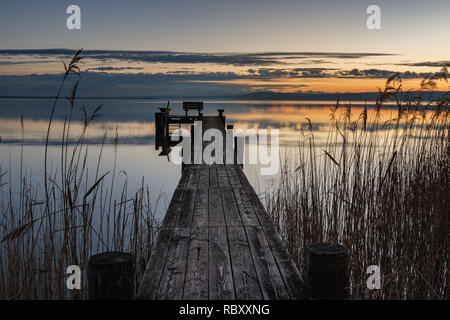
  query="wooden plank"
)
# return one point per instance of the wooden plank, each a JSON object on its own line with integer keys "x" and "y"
{"x": 215, "y": 208}
{"x": 150, "y": 281}
{"x": 230, "y": 209}
{"x": 244, "y": 274}
{"x": 222, "y": 176}
{"x": 172, "y": 279}
{"x": 221, "y": 286}
{"x": 149, "y": 284}
{"x": 193, "y": 177}
{"x": 186, "y": 207}
{"x": 172, "y": 210}
{"x": 204, "y": 177}
{"x": 260, "y": 211}
{"x": 232, "y": 175}
{"x": 270, "y": 280}
{"x": 201, "y": 208}
{"x": 291, "y": 277}
{"x": 245, "y": 207}
{"x": 213, "y": 180}
{"x": 196, "y": 286}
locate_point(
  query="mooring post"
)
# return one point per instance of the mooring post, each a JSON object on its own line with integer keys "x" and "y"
{"x": 111, "y": 276}
{"x": 327, "y": 271}
{"x": 221, "y": 116}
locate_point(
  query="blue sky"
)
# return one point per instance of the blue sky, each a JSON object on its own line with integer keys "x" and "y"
{"x": 413, "y": 40}
{"x": 226, "y": 26}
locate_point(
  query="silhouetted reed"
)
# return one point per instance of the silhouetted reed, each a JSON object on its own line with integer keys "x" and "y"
{"x": 382, "y": 189}
{"x": 42, "y": 232}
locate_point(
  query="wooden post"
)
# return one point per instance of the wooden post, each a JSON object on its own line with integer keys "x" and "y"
{"x": 159, "y": 129}
{"x": 220, "y": 111}
{"x": 327, "y": 271}
{"x": 238, "y": 154}
{"x": 111, "y": 276}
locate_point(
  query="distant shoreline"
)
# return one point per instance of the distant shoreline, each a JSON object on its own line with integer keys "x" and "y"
{"x": 357, "y": 97}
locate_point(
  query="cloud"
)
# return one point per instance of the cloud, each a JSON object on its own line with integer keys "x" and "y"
{"x": 23, "y": 62}
{"x": 270, "y": 73}
{"x": 273, "y": 73}
{"x": 102, "y": 84}
{"x": 109, "y": 68}
{"x": 235, "y": 59}
{"x": 337, "y": 55}
{"x": 439, "y": 64}
{"x": 378, "y": 73}
{"x": 177, "y": 83}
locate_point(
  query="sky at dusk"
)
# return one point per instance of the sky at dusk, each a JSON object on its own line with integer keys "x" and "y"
{"x": 230, "y": 47}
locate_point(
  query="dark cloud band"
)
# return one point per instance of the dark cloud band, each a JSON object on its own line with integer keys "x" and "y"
{"x": 236, "y": 59}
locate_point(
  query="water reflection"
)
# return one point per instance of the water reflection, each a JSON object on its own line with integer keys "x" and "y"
{"x": 133, "y": 120}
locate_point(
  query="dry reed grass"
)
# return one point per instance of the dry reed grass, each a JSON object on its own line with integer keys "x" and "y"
{"x": 382, "y": 189}
{"x": 42, "y": 232}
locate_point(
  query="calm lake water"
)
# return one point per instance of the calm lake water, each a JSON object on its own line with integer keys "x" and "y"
{"x": 134, "y": 122}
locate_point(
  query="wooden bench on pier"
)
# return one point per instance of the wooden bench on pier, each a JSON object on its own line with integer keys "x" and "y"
{"x": 192, "y": 105}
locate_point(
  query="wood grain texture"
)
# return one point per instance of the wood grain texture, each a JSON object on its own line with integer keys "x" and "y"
{"x": 244, "y": 273}
{"x": 222, "y": 176}
{"x": 213, "y": 180}
{"x": 196, "y": 286}
{"x": 232, "y": 175}
{"x": 204, "y": 179}
{"x": 186, "y": 207}
{"x": 148, "y": 287}
{"x": 221, "y": 284}
{"x": 294, "y": 283}
{"x": 172, "y": 279}
{"x": 201, "y": 209}
{"x": 215, "y": 208}
{"x": 230, "y": 208}
{"x": 217, "y": 241}
{"x": 270, "y": 280}
{"x": 172, "y": 210}
{"x": 245, "y": 207}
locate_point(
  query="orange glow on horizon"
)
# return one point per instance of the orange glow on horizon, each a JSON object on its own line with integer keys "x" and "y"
{"x": 328, "y": 85}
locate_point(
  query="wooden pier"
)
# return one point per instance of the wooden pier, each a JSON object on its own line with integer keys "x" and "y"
{"x": 217, "y": 241}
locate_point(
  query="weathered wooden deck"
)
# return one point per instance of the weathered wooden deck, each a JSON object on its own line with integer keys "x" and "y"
{"x": 217, "y": 242}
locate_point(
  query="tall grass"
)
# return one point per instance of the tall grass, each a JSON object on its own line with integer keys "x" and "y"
{"x": 382, "y": 189}
{"x": 74, "y": 215}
